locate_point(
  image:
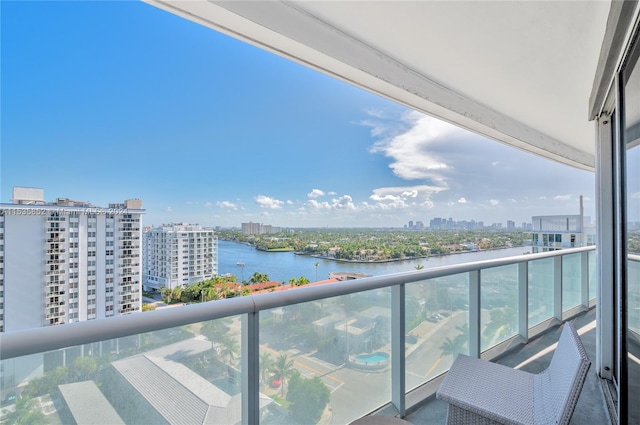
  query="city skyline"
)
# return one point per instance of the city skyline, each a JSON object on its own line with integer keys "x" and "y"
{"x": 206, "y": 129}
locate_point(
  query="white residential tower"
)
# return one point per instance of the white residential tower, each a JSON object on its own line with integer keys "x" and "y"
{"x": 67, "y": 261}
{"x": 179, "y": 254}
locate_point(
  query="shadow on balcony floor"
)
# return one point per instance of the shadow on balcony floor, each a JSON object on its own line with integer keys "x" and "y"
{"x": 534, "y": 357}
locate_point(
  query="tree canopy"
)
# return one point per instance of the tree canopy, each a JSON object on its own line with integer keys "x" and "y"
{"x": 308, "y": 398}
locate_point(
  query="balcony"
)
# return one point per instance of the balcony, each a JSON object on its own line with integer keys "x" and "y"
{"x": 376, "y": 343}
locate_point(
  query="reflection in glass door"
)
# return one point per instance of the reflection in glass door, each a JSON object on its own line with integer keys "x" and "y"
{"x": 631, "y": 144}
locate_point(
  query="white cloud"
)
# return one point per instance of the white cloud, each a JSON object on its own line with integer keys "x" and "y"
{"x": 376, "y": 113}
{"x": 344, "y": 202}
{"x": 169, "y": 209}
{"x": 267, "y": 202}
{"x": 331, "y": 193}
{"x": 411, "y": 150}
{"x": 462, "y": 201}
{"x": 494, "y": 202}
{"x": 227, "y": 205}
{"x": 562, "y": 198}
{"x": 318, "y": 205}
{"x": 404, "y": 197}
{"x": 289, "y": 202}
{"x": 315, "y": 193}
{"x": 208, "y": 204}
{"x": 635, "y": 195}
{"x": 494, "y": 163}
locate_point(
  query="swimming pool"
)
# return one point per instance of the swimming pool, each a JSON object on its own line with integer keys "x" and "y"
{"x": 372, "y": 358}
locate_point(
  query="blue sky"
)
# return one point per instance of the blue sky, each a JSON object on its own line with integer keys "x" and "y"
{"x": 104, "y": 101}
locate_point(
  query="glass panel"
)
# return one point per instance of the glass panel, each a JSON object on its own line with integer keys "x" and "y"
{"x": 327, "y": 360}
{"x": 634, "y": 294}
{"x": 437, "y": 326}
{"x": 631, "y": 78}
{"x": 571, "y": 281}
{"x": 186, "y": 373}
{"x": 540, "y": 290}
{"x": 499, "y": 305}
{"x": 593, "y": 282}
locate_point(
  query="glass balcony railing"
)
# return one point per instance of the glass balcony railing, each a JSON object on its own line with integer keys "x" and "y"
{"x": 329, "y": 353}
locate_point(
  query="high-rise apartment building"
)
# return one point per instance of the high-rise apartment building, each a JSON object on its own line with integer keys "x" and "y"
{"x": 554, "y": 232}
{"x": 67, "y": 261}
{"x": 251, "y": 228}
{"x": 179, "y": 254}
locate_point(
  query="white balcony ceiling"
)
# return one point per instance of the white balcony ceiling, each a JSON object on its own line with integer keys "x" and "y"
{"x": 520, "y": 72}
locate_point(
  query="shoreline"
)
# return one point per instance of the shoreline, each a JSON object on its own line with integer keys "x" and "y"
{"x": 395, "y": 260}
{"x": 392, "y": 260}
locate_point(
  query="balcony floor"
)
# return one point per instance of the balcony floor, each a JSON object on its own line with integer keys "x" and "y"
{"x": 591, "y": 407}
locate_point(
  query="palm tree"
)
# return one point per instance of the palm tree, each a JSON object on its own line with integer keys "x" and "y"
{"x": 419, "y": 267}
{"x": 259, "y": 277}
{"x": 266, "y": 364}
{"x": 463, "y": 337}
{"x": 317, "y": 264}
{"x": 229, "y": 350}
{"x": 451, "y": 347}
{"x": 283, "y": 368}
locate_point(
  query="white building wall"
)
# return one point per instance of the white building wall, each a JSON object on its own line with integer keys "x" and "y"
{"x": 24, "y": 272}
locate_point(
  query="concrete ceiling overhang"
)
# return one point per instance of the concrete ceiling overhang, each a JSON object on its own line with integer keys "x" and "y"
{"x": 520, "y": 72}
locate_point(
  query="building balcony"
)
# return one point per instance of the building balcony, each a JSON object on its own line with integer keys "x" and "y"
{"x": 57, "y": 261}
{"x": 56, "y": 229}
{"x": 378, "y": 345}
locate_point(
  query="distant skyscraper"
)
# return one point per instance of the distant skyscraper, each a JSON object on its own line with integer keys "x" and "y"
{"x": 511, "y": 224}
{"x": 67, "y": 261}
{"x": 178, "y": 254}
{"x": 251, "y": 228}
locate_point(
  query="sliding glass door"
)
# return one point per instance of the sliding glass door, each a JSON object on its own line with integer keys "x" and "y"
{"x": 630, "y": 288}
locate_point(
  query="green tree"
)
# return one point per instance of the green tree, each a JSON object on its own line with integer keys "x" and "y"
{"x": 308, "y": 398}
{"x": 148, "y": 307}
{"x": 48, "y": 382}
{"x": 266, "y": 364}
{"x": 215, "y": 331}
{"x": 451, "y": 346}
{"x": 259, "y": 278}
{"x": 84, "y": 369}
{"x": 283, "y": 369}
{"x": 229, "y": 350}
{"x": 25, "y": 413}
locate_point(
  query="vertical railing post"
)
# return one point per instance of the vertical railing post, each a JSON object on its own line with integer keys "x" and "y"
{"x": 250, "y": 369}
{"x": 557, "y": 287}
{"x": 523, "y": 299}
{"x": 398, "y": 384}
{"x": 474, "y": 313}
{"x": 584, "y": 278}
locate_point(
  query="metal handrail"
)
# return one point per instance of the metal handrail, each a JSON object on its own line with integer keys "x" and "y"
{"x": 37, "y": 340}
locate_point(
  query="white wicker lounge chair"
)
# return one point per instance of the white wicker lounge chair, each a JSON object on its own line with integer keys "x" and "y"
{"x": 481, "y": 392}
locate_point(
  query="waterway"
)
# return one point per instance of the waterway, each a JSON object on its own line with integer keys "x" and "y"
{"x": 282, "y": 266}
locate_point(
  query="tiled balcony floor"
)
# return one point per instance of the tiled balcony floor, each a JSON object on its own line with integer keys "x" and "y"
{"x": 591, "y": 407}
